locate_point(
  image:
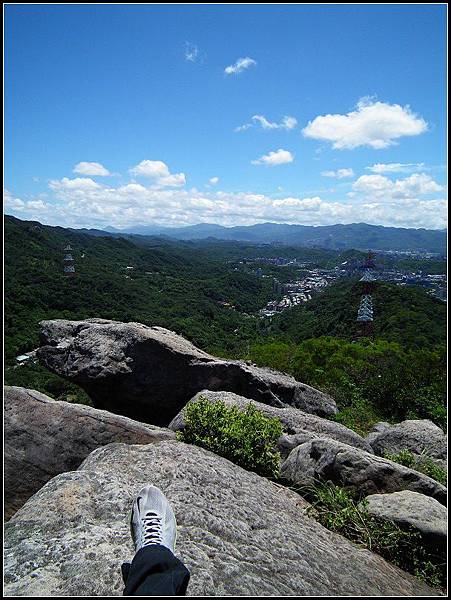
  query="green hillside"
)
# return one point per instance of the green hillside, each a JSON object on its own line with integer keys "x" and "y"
{"x": 208, "y": 292}
{"x": 406, "y": 315}
{"x": 171, "y": 284}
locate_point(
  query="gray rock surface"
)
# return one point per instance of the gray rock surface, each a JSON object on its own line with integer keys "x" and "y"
{"x": 298, "y": 426}
{"x": 45, "y": 437}
{"x": 355, "y": 469}
{"x": 150, "y": 373}
{"x": 239, "y": 534}
{"x": 421, "y": 512}
{"x": 419, "y": 436}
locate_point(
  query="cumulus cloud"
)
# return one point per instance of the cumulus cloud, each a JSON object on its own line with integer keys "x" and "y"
{"x": 31, "y": 209}
{"x": 373, "y": 201}
{"x": 274, "y": 158}
{"x": 374, "y": 124}
{"x": 418, "y": 184}
{"x": 287, "y": 123}
{"x": 78, "y": 183}
{"x": 9, "y": 202}
{"x": 339, "y": 174}
{"x": 158, "y": 171}
{"x": 416, "y": 200}
{"x": 91, "y": 168}
{"x": 240, "y": 65}
{"x": 396, "y": 167}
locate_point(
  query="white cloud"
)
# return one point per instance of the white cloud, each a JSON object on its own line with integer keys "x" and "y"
{"x": 396, "y": 167}
{"x": 413, "y": 186}
{"x": 9, "y": 202}
{"x": 278, "y": 157}
{"x": 30, "y": 208}
{"x": 287, "y": 123}
{"x": 91, "y": 168}
{"x": 240, "y": 65}
{"x": 339, "y": 174}
{"x": 158, "y": 171}
{"x": 416, "y": 201}
{"x": 191, "y": 52}
{"x": 243, "y": 127}
{"x": 78, "y": 183}
{"x": 373, "y": 124}
{"x": 133, "y": 204}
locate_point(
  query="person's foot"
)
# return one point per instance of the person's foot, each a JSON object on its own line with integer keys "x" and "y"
{"x": 153, "y": 520}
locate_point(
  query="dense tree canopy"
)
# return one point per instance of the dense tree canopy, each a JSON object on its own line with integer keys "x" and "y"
{"x": 208, "y": 291}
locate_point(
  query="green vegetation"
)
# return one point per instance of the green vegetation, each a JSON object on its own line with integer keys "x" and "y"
{"x": 422, "y": 463}
{"x": 246, "y": 437}
{"x": 405, "y": 315}
{"x": 172, "y": 284}
{"x": 370, "y": 381}
{"x": 343, "y": 512}
{"x": 34, "y": 376}
{"x": 208, "y": 292}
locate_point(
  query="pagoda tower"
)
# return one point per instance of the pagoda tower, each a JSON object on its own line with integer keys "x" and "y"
{"x": 365, "y": 311}
{"x": 68, "y": 261}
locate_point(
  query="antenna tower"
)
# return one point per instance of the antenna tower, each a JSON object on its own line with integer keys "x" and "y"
{"x": 68, "y": 261}
{"x": 365, "y": 316}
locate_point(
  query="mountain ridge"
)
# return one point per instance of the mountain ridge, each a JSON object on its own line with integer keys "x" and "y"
{"x": 359, "y": 236}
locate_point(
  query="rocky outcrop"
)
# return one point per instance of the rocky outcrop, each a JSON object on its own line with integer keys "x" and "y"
{"x": 150, "y": 373}
{"x": 239, "y": 534}
{"x": 297, "y": 425}
{"x": 421, "y": 437}
{"x": 326, "y": 459}
{"x": 45, "y": 437}
{"x": 420, "y": 512}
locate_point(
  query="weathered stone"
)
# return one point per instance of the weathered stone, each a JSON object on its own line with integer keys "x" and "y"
{"x": 376, "y": 430}
{"x": 238, "y": 533}
{"x": 298, "y": 426}
{"x": 150, "y": 373}
{"x": 45, "y": 437}
{"x": 421, "y": 512}
{"x": 356, "y": 469}
{"x": 421, "y": 437}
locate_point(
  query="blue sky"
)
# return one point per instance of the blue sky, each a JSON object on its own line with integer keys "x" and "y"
{"x": 234, "y": 114}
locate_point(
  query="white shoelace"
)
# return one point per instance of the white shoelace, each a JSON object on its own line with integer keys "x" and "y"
{"x": 152, "y": 531}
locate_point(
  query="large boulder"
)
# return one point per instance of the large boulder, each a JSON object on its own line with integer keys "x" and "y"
{"x": 420, "y": 512}
{"x": 421, "y": 437}
{"x": 327, "y": 459}
{"x": 45, "y": 437}
{"x": 239, "y": 534}
{"x": 150, "y": 373}
{"x": 297, "y": 425}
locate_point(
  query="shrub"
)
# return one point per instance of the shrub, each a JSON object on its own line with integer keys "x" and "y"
{"x": 341, "y": 511}
{"x": 246, "y": 437}
{"x": 422, "y": 463}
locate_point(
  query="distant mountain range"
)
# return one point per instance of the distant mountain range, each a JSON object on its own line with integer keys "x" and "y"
{"x": 359, "y": 236}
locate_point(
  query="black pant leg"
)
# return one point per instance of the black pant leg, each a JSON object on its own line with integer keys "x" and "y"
{"x": 155, "y": 571}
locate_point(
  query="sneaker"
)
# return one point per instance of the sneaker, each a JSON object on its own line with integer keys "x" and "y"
{"x": 153, "y": 520}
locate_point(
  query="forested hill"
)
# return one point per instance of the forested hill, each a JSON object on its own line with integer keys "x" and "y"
{"x": 188, "y": 287}
{"x": 406, "y": 315}
{"x": 174, "y": 285}
{"x": 205, "y": 292}
{"x": 339, "y": 237}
